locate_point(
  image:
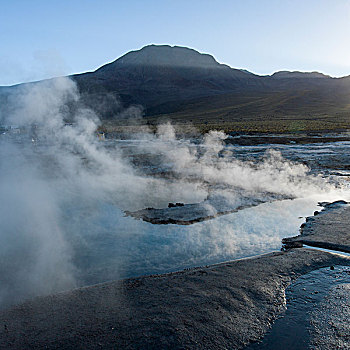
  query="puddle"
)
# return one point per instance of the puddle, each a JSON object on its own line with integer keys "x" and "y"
{"x": 292, "y": 329}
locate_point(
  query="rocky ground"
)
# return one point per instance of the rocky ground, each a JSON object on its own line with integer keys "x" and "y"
{"x": 327, "y": 229}
{"x": 330, "y": 321}
{"x": 306, "y": 138}
{"x": 210, "y": 208}
{"x": 224, "y": 306}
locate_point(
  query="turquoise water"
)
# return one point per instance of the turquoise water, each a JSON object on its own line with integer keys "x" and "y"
{"x": 107, "y": 245}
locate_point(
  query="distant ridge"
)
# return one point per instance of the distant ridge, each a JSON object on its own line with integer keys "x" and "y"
{"x": 185, "y": 85}
{"x": 171, "y": 57}
{"x": 159, "y": 76}
{"x": 298, "y": 75}
{"x": 166, "y": 55}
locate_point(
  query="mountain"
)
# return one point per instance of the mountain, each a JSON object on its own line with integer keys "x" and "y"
{"x": 156, "y": 75}
{"x": 184, "y": 85}
{"x": 165, "y": 55}
{"x": 180, "y": 82}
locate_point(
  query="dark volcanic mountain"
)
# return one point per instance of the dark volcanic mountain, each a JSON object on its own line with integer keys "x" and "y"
{"x": 186, "y": 85}
{"x": 156, "y": 75}
{"x": 172, "y": 80}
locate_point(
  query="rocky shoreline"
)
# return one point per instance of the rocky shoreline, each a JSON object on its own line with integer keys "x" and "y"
{"x": 326, "y": 229}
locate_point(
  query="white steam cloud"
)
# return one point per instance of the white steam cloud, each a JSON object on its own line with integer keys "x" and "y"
{"x": 62, "y": 195}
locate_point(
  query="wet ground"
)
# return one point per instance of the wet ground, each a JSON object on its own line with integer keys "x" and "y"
{"x": 224, "y": 306}
{"x": 330, "y": 159}
{"x": 327, "y": 154}
{"x": 334, "y": 218}
{"x": 307, "y": 319}
{"x": 326, "y": 158}
{"x": 228, "y": 305}
{"x": 330, "y": 321}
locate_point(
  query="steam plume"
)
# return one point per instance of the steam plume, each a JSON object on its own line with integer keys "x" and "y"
{"x": 63, "y": 194}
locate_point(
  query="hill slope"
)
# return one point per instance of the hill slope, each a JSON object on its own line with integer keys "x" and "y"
{"x": 184, "y": 85}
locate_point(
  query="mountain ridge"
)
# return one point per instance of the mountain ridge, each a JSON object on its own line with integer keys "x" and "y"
{"x": 184, "y": 85}
{"x": 167, "y": 55}
{"x": 124, "y": 60}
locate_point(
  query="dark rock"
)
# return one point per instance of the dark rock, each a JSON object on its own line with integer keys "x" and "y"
{"x": 292, "y": 244}
{"x": 328, "y": 230}
{"x": 335, "y": 204}
{"x": 226, "y": 307}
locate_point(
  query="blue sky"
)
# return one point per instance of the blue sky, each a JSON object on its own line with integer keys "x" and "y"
{"x": 45, "y": 38}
